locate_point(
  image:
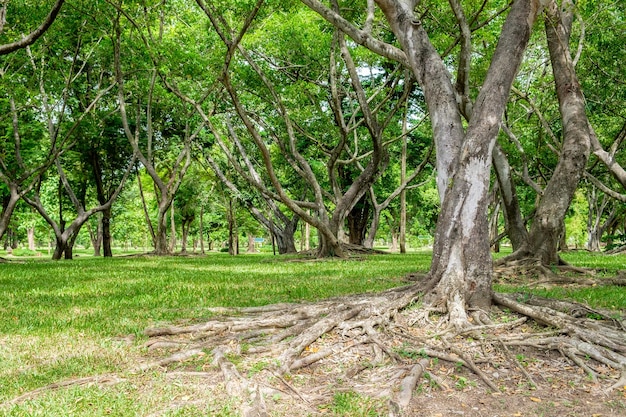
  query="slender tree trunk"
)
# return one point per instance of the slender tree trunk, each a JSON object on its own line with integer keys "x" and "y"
{"x": 183, "y": 244}
{"x": 202, "y": 229}
{"x": 31, "y": 238}
{"x": 403, "y": 192}
{"x": 307, "y": 236}
{"x": 172, "y": 229}
{"x": 547, "y": 227}
{"x": 144, "y": 206}
{"x": 493, "y": 227}
{"x": 106, "y": 234}
{"x": 513, "y": 221}
{"x": 232, "y": 241}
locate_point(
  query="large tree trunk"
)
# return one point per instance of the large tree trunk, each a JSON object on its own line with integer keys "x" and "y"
{"x": 460, "y": 275}
{"x": 285, "y": 236}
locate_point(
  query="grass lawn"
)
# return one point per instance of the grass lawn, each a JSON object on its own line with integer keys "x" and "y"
{"x": 61, "y": 320}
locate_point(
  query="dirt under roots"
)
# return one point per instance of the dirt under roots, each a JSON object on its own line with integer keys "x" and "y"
{"x": 386, "y": 354}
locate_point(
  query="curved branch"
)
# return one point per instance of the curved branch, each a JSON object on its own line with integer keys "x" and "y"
{"x": 35, "y": 34}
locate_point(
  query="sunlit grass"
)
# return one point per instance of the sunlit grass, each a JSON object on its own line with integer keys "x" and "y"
{"x": 63, "y": 320}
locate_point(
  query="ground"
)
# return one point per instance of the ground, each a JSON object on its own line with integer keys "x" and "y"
{"x": 383, "y": 354}
{"x": 410, "y": 366}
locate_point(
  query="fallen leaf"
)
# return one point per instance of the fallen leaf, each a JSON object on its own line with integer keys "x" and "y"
{"x": 535, "y": 399}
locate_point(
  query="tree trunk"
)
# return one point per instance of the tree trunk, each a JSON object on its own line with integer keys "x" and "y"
{"x": 394, "y": 242}
{"x": 493, "y": 227}
{"x": 96, "y": 238}
{"x": 329, "y": 246}
{"x": 161, "y": 245}
{"x": 202, "y": 229}
{"x": 357, "y": 221}
{"x": 183, "y": 244}
{"x": 232, "y": 229}
{"x": 513, "y": 221}
{"x": 403, "y": 192}
{"x": 547, "y": 226}
{"x": 106, "y": 233}
{"x": 460, "y": 275}
{"x": 7, "y": 207}
{"x": 172, "y": 229}
{"x": 285, "y": 237}
{"x": 31, "y": 238}
{"x": 251, "y": 247}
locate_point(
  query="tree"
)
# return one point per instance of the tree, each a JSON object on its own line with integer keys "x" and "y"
{"x": 32, "y": 36}
{"x": 460, "y": 275}
{"x": 173, "y": 137}
{"x": 347, "y": 108}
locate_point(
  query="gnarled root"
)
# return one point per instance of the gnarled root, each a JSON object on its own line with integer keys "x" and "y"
{"x": 370, "y": 344}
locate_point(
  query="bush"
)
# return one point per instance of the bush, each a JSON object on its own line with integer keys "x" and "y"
{"x": 25, "y": 252}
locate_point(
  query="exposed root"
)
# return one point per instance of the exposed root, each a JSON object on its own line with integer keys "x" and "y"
{"x": 370, "y": 343}
{"x": 532, "y": 273}
{"x": 100, "y": 380}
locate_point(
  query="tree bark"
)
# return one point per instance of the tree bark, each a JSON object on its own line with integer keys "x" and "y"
{"x": 31, "y": 238}
{"x": 172, "y": 228}
{"x": 106, "y": 233}
{"x": 460, "y": 275}
{"x": 251, "y": 247}
{"x": 547, "y": 227}
{"x": 513, "y": 220}
{"x": 357, "y": 221}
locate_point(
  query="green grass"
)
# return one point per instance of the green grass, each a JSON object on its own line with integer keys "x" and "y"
{"x": 609, "y": 297}
{"x": 61, "y": 320}
{"x": 45, "y": 297}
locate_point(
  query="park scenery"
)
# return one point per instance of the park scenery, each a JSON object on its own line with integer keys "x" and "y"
{"x": 312, "y": 207}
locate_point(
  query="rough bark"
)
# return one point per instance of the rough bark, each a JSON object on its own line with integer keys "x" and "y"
{"x": 357, "y": 220}
{"x": 547, "y": 227}
{"x": 513, "y": 220}
{"x": 8, "y": 207}
{"x": 460, "y": 275}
